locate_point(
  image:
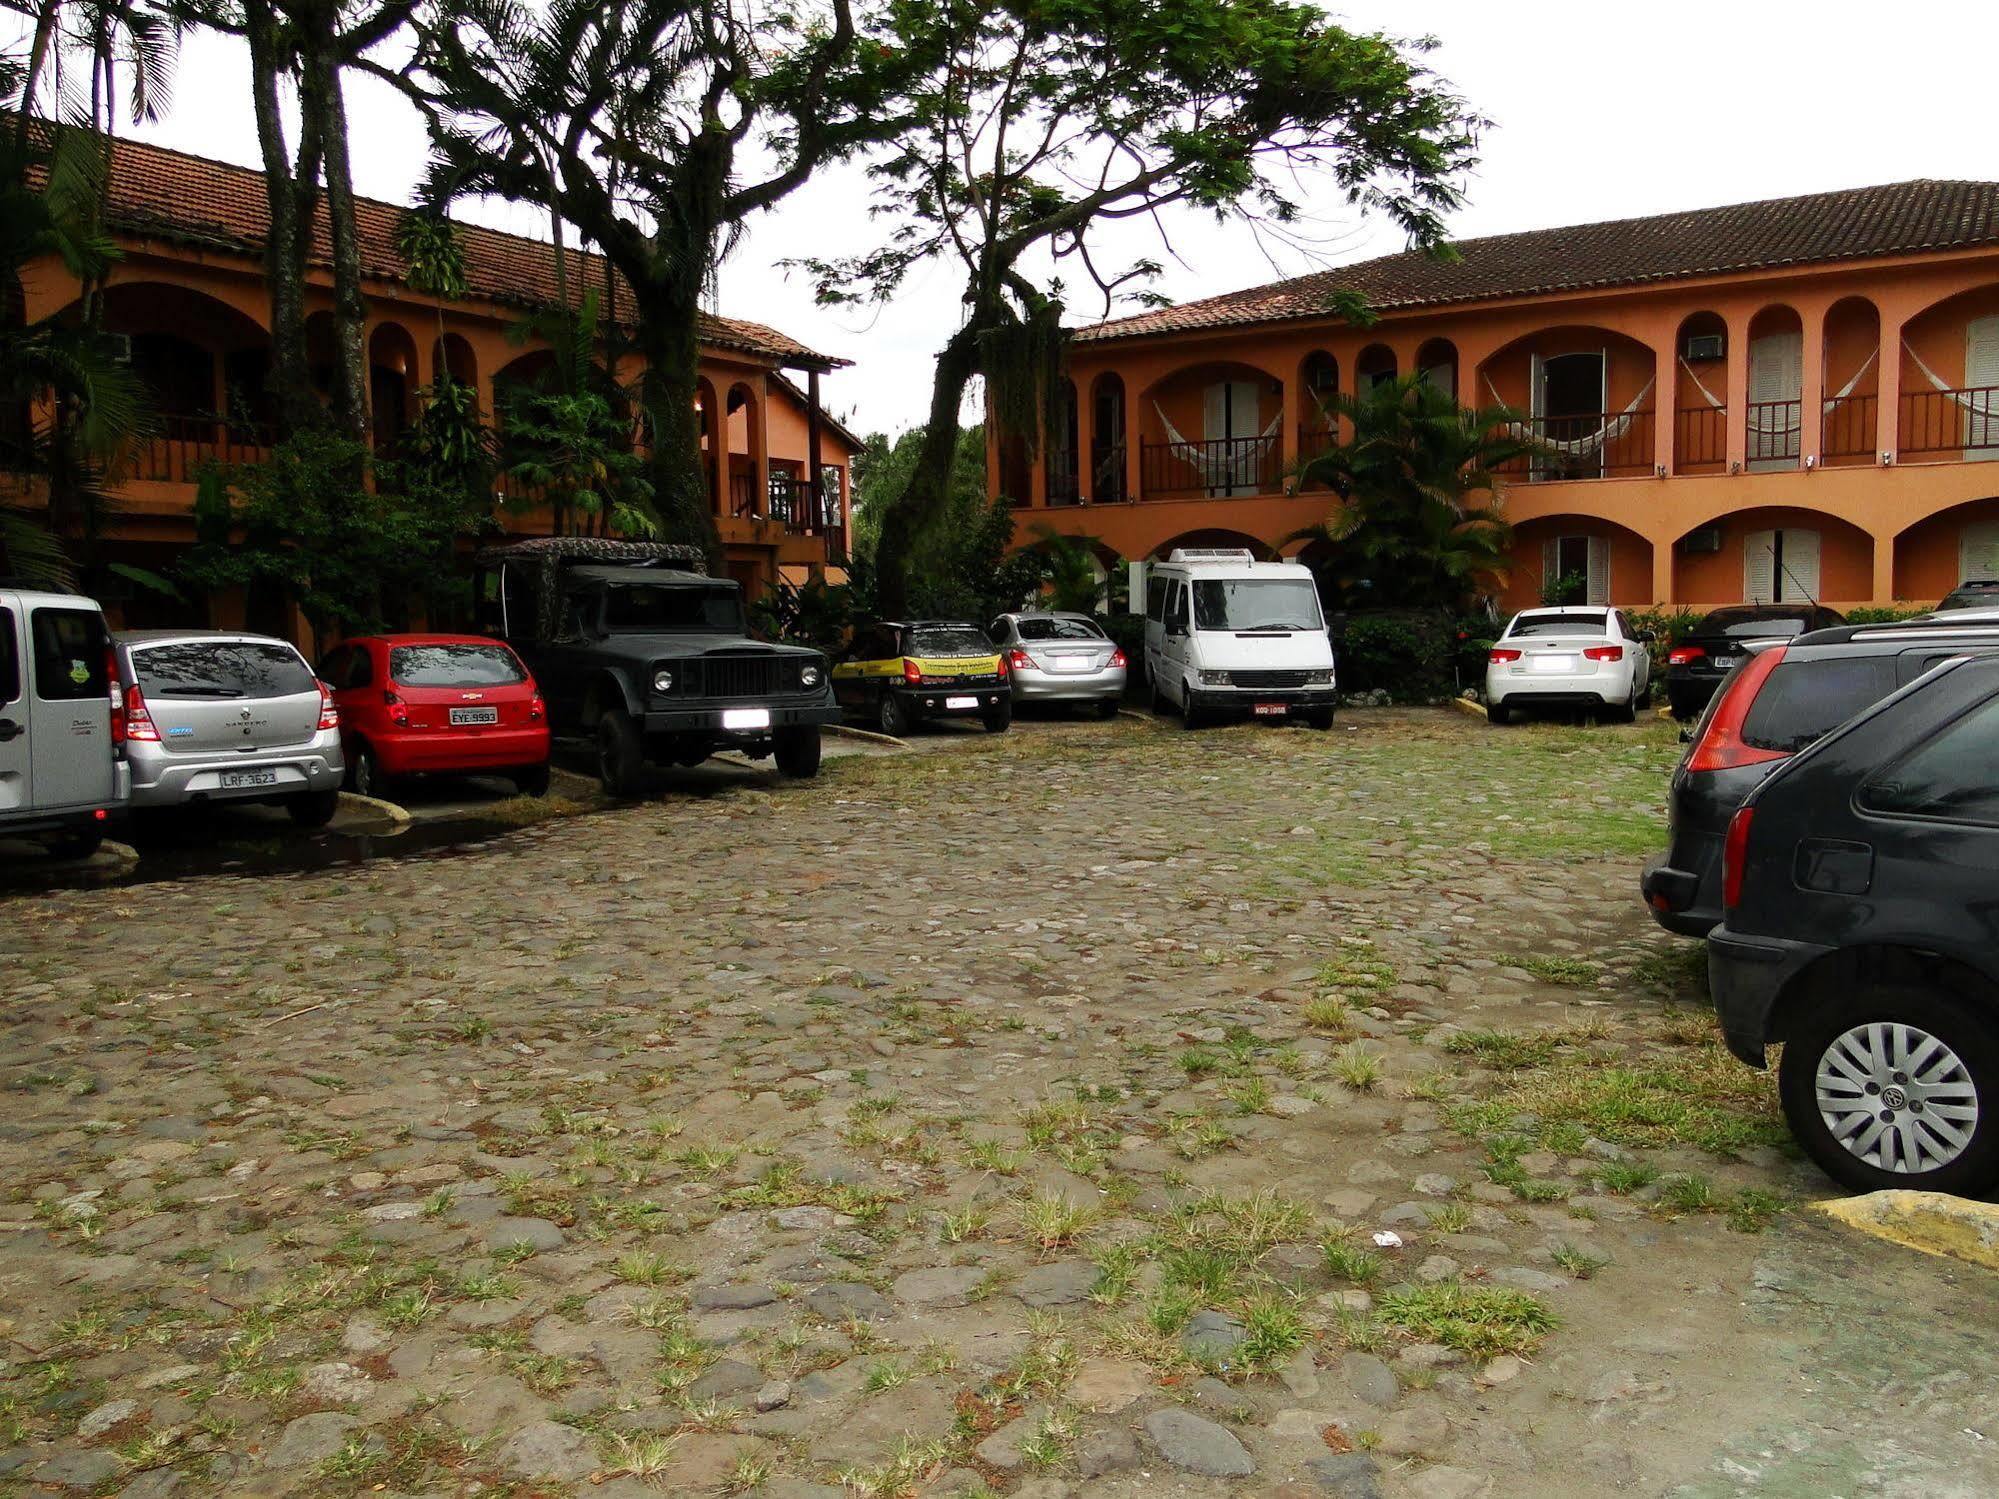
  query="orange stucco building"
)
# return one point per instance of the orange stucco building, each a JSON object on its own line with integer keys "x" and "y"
{"x": 188, "y": 301}
{"x": 1772, "y": 400}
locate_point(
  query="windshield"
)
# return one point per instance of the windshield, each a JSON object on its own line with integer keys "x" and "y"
{"x": 949, "y": 640}
{"x": 221, "y": 668}
{"x": 1256, "y": 604}
{"x": 677, "y": 608}
{"x": 1559, "y": 624}
{"x": 1058, "y": 629}
{"x": 454, "y": 666}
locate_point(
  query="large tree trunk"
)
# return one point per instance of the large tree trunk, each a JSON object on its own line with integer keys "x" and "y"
{"x": 668, "y": 339}
{"x": 321, "y": 102}
{"x": 929, "y": 485}
{"x": 290, "y": 193}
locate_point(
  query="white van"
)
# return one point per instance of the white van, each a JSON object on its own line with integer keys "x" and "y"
{"x": 1225, "y": 633}
{"x": 61, "y": 776}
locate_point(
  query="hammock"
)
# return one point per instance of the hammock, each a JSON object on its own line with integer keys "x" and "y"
{"x": 1220, "y": 463}
{"x": 1577, "y": 447}
{"x": 1759, "y": 429}
{"x": 1982, "y": 403}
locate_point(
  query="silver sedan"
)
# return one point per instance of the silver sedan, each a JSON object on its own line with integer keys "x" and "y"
{"x": 1060, "y": 658}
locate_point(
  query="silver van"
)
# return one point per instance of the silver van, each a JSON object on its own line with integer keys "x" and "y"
{"x": 61, "y": 780}
{"x": 212, "y": 715}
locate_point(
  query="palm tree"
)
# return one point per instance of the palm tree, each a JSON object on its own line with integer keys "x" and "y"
{"x": 1417, "y": 524}
{"x": 1075, "y": 582}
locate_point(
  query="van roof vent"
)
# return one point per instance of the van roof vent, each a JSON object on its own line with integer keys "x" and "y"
{"x": 1212, "y": 554}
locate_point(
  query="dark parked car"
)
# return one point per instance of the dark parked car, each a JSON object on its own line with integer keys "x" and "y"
{"x": 1699, "y": 659}
{"x": 652, "y": 661}
{"x": 1972, "y": 593}
{"x": 1862, "y": 933}
{"x": 1780, "y": 700}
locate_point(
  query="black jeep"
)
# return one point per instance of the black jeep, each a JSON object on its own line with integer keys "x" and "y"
{"x": 635, "y": 648}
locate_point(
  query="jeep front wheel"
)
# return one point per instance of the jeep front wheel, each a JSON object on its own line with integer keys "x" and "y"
{"x": 620, "y": 755}
{"x": 797, "y": 751}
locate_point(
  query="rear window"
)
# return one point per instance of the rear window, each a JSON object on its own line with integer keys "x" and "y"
{"x": 221, "y": 669}
{"x": 70, "y": 647}
{"x": 10, "y": 658}
{"x": 949, "y": 641}
{"x": 1559, "y": 624}
{"x": 1750, "y": 626}
{"x": 1058, "y": 629}
{"x": 1949, "y": 776}
{"x": 1803, "y": 701}
{"x": 454, "y": 666}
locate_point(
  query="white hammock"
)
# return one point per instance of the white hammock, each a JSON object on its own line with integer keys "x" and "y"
{"x": 1760, "y": 429}
{"x": 1221, "y": 464}
{"x": 1577, "y": 447}
{"x": 1982, "y": 403}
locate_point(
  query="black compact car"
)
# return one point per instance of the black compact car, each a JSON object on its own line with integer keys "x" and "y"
{"x": 651, "y": 659}
{"x": 1698, "y": 660}
{"x": 1862, "y": 932}
{"x": 1780, "y": 700}
{"x": 1972, "y": 593}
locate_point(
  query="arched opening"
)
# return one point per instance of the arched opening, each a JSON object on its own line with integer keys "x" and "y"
{"x": 1318, "y": 426}
{"x": 1851, "y": 383}
{"x": 1108, "y": 440}
{"x": 1215, "y": 536}
{"x": 1437, "y": 365}
{"x": 1773, "y": 554}
{"x": 453, "y": 356}
{"x": 1950, "y": 380}
{"x": 1577, "y": 559}
{"x": 1776, "y": 389}
{"x": 1956, "y": 545}
{"x": 392, "y": 384}
{"x": 712, "y": 441}
{"x": 745, "y": 420}
{"x": 1213, "y": 429}
{"x": 1375, "y": 366}
{"x": 1589, "y": 395}
{"x": 1700, "y": 405}
{"x": 321, "y": 352}
{"x": 1059, "y": 457}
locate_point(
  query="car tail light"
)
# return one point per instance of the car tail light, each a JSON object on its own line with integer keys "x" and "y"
{"x": 1118, "y": 661}
{"x": 1603, "y": 653}
{"x": 1721, "y": 746}
{"x": 130, "y": 720}
{"x": 1005, "y": 659}
{"x": 399, "y": 711}
{"x": 1500, "y": 654}
{"x": 912, "y": 673}
{"x": 537, "y": 709}
{"x": 1734, "y": 850}
{"x": 329, "y": 716}
{"x": 1681, "y": 655}
{"x": 1017, "y": 661}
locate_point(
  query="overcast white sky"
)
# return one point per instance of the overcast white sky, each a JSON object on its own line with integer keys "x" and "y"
{"x": 1599, "y": 111}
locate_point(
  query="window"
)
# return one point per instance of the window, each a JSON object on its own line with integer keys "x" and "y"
{"x": 1052, "y": 628}
{"x": 1949, "y": 775}
{"x": 360, "y": 670}
{"x": 949, "y": 640}
{"x": 221, "y": 669}
{"x": 70, "y": 650}
{"x": 1584, "y": 623}
{"x": 1176, "y": 607}
{"x": 10, "y": 658}
{"x": 454, "y": 665}
{"x": 579, "y": 614}
{"x": 1581, "y": 565}
{"x": 1155, "y": 598}
{"x": 673, "y": 608}
{"x": 1803, "y": 701}
{"x": 1780, "y": 566}
{"x": 1256, "y": 604}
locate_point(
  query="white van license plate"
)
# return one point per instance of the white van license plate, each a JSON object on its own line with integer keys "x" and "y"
{"x": 236, "y": 780}
{"x": 961, "y": 702}
{"x": 1272, "y": 710}
{"x": 461, "y": 716}
{"x": 746, "y": 718}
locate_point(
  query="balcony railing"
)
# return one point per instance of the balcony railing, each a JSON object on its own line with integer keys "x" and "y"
{"x": 1591, "y": 445}
{"x": 1951, "y": 421}
{"x": 1700, "y": 439}
{"x": 1107, "y": 473}
{"x": 1849, "y": 427}
{"x": 183, "y": 445}
{"x": 1220, "y": 466}
{"x": 1776, "y": 431}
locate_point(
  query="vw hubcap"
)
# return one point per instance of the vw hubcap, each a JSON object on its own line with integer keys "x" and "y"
{"x": 1897, "y": 1097}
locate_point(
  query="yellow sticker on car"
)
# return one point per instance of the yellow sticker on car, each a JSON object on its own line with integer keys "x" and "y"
{"x": 957, "y": 666}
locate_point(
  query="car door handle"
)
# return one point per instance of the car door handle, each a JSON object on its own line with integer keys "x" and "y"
{"x": 10, "y": 730}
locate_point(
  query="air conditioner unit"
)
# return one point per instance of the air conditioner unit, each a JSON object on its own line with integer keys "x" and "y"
{"x": 119, "y": 346}
{"x": 1703, "y": 348}
{"x": 1706, "y": 539}
{"x": 1211, "y": 554}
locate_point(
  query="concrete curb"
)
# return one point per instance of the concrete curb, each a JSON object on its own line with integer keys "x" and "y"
{"x": 382, "y": 817}
{"x": 1949, "y": 1227}
{"x": 1469, "y": 708}
{"x": 1136, "y": 716}
{"x": 869, "y": 735}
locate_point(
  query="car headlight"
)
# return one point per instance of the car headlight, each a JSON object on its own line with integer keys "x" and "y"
{"x": 1214, "y": 679}
{"x": 1323, "y": 677}
{"x": 808, "y": 676}
{"x": 662, "y": 681}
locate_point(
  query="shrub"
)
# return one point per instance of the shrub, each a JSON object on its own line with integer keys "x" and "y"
{"x": 1408, "y": 653}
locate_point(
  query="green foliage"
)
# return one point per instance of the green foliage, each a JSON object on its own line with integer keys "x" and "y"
{"x": 1569, "y": 588}
{"x": 1885, "y": 615}
{"x": 814, "y": 613}
{"x": 429, "y": 245}
{"x": 1071, "y": 579}
{"x": 1667, "y": 625}
{"x": 1408, "y": 653}
{"x": 571, "y": 453}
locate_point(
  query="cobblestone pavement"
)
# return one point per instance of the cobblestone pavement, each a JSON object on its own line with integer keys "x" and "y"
{"x": 1105, "y": 1110}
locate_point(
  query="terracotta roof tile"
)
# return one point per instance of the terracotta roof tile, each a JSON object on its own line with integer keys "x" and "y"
{"x": 1898, "y": 219}
{"x": 192, "y": 200}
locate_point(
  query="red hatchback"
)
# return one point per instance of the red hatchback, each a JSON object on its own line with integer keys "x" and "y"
{"x": 424, "y": 704}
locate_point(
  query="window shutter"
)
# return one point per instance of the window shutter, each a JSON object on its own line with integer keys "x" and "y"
{"x": 1978, "y": 551}
{"x": 1776, "y": 374}
{"x": 1981, "y": 375}
{"x": 1800, "y": 578}
{"x": 1215, "y": 411}
{"x": 1599, "y": 570}
{"x": 1759, "y": 549}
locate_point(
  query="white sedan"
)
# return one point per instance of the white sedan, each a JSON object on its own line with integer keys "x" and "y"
{"x": 1578, "y": 656}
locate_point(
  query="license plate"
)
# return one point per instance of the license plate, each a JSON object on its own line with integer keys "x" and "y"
{"x": 461, "y": 716}
{"x": 1725, "y": 663}
{"x": 1554, "y": 663}
{"x": 235, "y": 780}
{"x": 1271, "y": 710}
{"x": 961, "y": 702}
{"x": 746, "y": 718}
{"x": 1070, "y": 663}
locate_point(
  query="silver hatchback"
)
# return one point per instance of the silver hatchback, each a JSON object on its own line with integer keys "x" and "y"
{"x": 219, "y": 716}
{"x": 1061, "y": 658}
